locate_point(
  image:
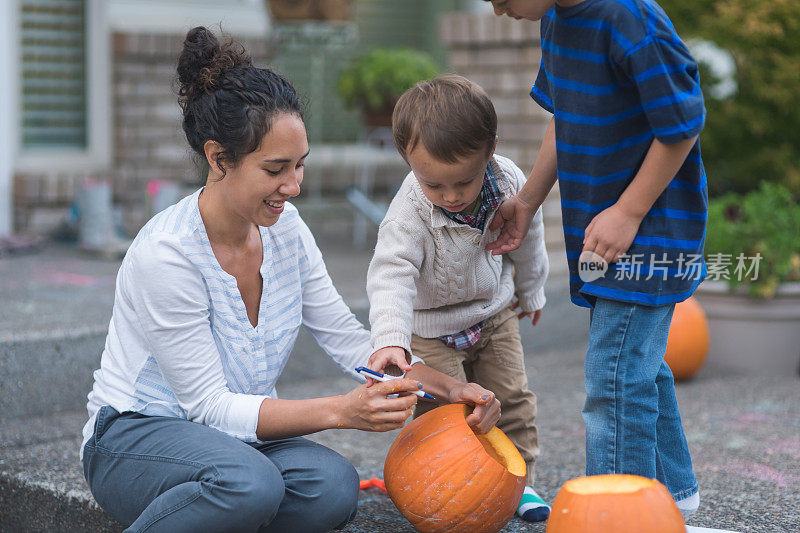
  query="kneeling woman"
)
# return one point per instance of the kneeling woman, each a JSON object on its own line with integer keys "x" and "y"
{"x": 185, "y": 433}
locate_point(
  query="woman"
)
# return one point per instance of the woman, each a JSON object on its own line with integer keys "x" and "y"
{"x": 185, "y": 432}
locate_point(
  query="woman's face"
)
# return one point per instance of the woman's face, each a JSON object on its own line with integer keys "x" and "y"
{"x": 260, "y": 184}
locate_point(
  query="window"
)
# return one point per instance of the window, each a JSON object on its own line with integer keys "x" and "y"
{"x": 63, "y": 98}
{"x": 53, "y": 74}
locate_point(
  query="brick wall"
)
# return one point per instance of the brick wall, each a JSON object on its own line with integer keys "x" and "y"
{"x": 148, "y": 140}
{"x": 502, "y": 55}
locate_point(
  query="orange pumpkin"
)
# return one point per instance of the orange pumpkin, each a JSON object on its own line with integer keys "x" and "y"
{"x": 614, "y": 503}
{"x": 687, "y": 344}
{"x": 444, "y": 478}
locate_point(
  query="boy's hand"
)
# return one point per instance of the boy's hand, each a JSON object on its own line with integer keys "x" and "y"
{"x": 611, "y": 233}
{"x": 486, "y": 408}
{"x": 514, "y": 217}
{"x": 391, "y": 356}
{"x": 534, "y": 316}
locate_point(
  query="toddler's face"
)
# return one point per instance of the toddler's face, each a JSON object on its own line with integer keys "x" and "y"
{"x": 522, "y": 9}
{"x": 451, "y": 186}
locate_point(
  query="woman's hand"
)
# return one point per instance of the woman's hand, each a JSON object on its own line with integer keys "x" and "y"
{"x": 369, "y": 409}
{"x": 486, "y": 411}
{"x": 390, "y": 356}
{"x": 514, "y": 218}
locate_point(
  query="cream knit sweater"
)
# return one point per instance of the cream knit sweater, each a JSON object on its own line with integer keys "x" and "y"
{"x": 432, "y": 276}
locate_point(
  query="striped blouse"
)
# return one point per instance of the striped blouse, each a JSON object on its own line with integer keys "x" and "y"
{"x": 616, "y": 76}
{"x": 180, "y": 342}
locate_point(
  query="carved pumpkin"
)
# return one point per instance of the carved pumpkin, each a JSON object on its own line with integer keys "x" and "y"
{"x": 614, "y": 503}
{"x": 687, "y": 344}
{"x": 444, "y": 478}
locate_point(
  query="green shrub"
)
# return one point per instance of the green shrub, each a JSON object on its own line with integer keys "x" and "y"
{"x": 765, "y": 221}
{"x": 755, "y": 134}
{"x": 377, "y": 79}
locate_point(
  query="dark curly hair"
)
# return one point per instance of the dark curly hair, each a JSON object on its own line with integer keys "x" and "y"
{"x": 226, "y": 99}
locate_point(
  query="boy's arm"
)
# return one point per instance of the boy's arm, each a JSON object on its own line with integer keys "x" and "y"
{"x": 675, "y": 126}
{"x": 612, "y": 231}
{"x": 391, "y": 285}
{"x": 531, "y": 264}
{"x": 516, "y": 213}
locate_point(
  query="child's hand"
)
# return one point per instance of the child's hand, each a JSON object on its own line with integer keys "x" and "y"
{"x": 534, "y": 316}
{"x": 611, "y": 233}
{"x": 391, "y": 356}
{"x": 486, "y": 408}
{"x": 514, "y": 218}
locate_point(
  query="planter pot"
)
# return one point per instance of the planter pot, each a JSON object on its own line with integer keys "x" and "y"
{"x": 752, "y": 335}
{"x": 309, "y": 9}
{"x": 379, "y": 118}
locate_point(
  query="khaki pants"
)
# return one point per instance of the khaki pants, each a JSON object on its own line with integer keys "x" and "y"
{"x": 496, "y": 363}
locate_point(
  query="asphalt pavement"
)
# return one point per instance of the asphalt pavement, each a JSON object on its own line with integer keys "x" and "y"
{"x": 743, "y": 431}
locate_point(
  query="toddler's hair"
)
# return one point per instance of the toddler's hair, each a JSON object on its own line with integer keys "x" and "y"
{"x": 451, "y": 116}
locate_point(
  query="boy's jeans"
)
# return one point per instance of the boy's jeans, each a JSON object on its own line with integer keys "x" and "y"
{"x": 633, "y": 425}
{"x": 156, "y": 473}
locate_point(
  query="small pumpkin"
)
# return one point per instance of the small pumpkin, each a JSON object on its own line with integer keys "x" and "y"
{"x": 687, "y": 344}
{"x": 614, "y": 503}
{"x": 443, "y": 477}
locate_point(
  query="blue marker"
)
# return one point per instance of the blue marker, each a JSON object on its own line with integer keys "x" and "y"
{"x": 377, "y": 376}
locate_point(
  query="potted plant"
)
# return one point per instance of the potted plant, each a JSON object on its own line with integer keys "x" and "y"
{"x": 309, "y": 9}
{"x": 752, "y": 295}
{"x": 749, "y": 71}
{"x": 375, "y": 81}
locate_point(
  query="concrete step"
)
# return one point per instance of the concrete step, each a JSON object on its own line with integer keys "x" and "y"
{"x": 42, "y": 486}
{"x": 741, "y": 430}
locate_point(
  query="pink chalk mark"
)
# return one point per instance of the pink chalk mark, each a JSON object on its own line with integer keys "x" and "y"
{"x": 754, "y": 417}
{"x": 784, "y": 446}
{"x": 765, "y": 473}
{"x": 69, "y": 278}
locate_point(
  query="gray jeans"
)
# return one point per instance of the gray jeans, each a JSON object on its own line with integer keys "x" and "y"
{"x": 154, "y": 473}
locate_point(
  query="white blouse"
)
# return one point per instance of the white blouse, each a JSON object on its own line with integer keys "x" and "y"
{"x": 180, "y": 342}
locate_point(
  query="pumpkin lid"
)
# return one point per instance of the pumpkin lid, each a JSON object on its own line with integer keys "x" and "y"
{"x": 608, "y": 484}
{"x": 500, "y": 448}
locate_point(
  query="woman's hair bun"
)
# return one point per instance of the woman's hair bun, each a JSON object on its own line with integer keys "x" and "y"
{"x": 204, "y": 61}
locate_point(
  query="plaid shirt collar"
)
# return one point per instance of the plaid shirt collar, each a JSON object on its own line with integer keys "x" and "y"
{"x": 490, "y": 198}
{"x": 464, "y": 339}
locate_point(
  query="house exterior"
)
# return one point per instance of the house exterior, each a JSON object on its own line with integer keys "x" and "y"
{"x": 91, "y": 98}
{"x": 92, "y": 93}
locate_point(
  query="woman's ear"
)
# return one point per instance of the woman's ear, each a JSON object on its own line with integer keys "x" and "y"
{"x": 213, "y": 152}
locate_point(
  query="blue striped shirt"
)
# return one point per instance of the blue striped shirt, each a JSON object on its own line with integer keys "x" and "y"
{"x": 616, "y": 76}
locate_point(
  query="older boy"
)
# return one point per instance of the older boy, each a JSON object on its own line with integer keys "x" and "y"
{"x": 627, "y": 107}
{"x": 433, "y": 288}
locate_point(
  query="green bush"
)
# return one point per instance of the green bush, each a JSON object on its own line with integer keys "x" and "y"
{"x": 377, "y": 79}
{"x": 765, "y": 221}
{"x": 755, "y": 134}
